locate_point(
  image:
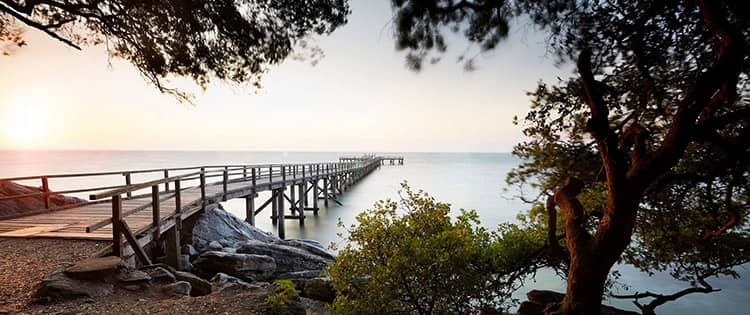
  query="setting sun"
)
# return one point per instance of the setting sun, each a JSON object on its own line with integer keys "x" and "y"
{"x": 25, "y": 123}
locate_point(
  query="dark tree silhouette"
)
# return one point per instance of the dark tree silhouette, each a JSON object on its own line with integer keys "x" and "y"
{"x": 231, "y": 40}
{"x": 646, "y": 149}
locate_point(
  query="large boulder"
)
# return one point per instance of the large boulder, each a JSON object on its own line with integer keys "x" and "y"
{"x": 27, "y": 205}
{"x": 60, "y": 285}
{"x": 245, "y": 266}
{"x": 224, "y": 281}
{"x": 218, "y": 225}
{"x": 96, "y": 268}
{"x": 290, "y": 256}
{"x": 223, "y": 239}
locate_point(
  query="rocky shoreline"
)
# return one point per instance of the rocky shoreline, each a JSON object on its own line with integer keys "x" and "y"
{"x": 226, "y": 257}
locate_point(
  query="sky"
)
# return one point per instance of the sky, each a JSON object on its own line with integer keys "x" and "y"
{"x": 359, "y": 97}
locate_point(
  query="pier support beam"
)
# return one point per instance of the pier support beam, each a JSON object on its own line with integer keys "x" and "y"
{"x": 274, "y": 206}
{"x": 325, "y": 191}
{"x": 250, "y": 208}
{"x": 172, "y": 248}
{"x": 280, "y": 217}
{"x": 315, "y": 198}
{"x": 301, "y": 203}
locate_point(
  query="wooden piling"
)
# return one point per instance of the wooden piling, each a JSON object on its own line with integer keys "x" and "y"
{"x": 155, "y": 219}
{"x": 280, "y": 217}
{"x": 315, "y": 196}
{"x": 116, "y": 231}
{"x": 301, "y": 201}
{"x": 274, "y": 206}
{"x": 292, "y": 203}
{"x": 250, "y": 208}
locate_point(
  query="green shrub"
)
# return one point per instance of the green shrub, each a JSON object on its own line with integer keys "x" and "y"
{"x": 285, "y": 293}
{"x": 411, "y": 257}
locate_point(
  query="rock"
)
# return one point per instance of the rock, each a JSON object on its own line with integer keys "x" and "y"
{"x": 217, "y": 224}
{"x": 229, "y": 250}
{"x": 303, "y": 274}
{"x": 224, "y": 281}
{"x": 133, "y": 276}
{"x": 530, "y": 308}
{"x": 185, "y": 262}
{"x": 189, "y": 250}
{"x": 289, "y": 256}
{"x": 319, "y": 289}
{"x": 60, "y": 285}
{"x": 134, "y": 287}
{"x": 246, "y": 266}
{"x": 179, "y": 288}
{"x": 198, "y": 285}
{"x": 158, "y": 273}
{"x": 95, "y": 268}
{"x": 26, "y": 205}
{"x": 312, "y": 246}
{"x": 544, "y": 297}
{"x": 214, "y": 245}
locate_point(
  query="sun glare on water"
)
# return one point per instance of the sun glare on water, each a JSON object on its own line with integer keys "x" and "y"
{"x": 24, "y": 123}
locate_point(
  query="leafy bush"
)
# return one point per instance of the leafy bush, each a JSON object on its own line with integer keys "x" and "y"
{"x": 285, "y": 293}
{"x": 411, "y": 257}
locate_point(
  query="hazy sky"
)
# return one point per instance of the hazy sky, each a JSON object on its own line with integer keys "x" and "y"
{"x": 359, "y": 97}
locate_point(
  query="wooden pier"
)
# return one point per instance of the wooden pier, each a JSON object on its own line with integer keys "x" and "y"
{"x": 133, "y": 215}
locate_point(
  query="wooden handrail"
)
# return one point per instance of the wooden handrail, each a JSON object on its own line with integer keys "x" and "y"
{"x": 211, "y": 171}
{"x": 139, "y": 186}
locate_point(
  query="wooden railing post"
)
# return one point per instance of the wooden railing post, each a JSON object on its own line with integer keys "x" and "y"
{"x": 283, "y": 174}
{"x": 127, "y": 183}
{"x": 224, "y": 184}
{"x": 203, "y": 188}
{"x": 116, "y": 231}
{"x": 252, "y": 172}
{"x": 166, "y": 184}
{"x": 244, "y": 172}
{"x": 270, "y": 174}
{"x": 155, "y": 213}
{"x": 45, "y": 189}
{"x": 178, "y": 202}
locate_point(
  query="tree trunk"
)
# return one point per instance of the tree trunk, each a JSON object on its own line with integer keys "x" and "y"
{"x": 591, "y": 257}
{"x": 586, "y": 277}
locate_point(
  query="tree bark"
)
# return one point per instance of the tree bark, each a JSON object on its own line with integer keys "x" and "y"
{"x": 591, "y": 257}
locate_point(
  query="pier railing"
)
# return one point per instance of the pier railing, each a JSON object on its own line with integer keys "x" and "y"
{"x": 193, "y": 189}
{"x": 228, "y": 173}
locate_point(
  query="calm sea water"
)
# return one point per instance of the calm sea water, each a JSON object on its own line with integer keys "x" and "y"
{"x": 466, "y": 180}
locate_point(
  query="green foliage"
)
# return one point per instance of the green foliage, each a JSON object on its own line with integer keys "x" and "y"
{"x": 285, "y": 293}
{"x": 659, "y": 113}
{"x": 230, "y": 40}
{"x": 409, "y": 256}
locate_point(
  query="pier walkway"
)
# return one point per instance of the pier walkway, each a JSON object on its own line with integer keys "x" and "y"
{"x": 154, "y": 209}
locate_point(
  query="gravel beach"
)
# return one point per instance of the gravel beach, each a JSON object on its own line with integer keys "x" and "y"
{"x": 24, "y": 262}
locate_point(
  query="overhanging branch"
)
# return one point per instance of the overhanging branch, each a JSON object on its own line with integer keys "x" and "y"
{"x": 44, "y": 28}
